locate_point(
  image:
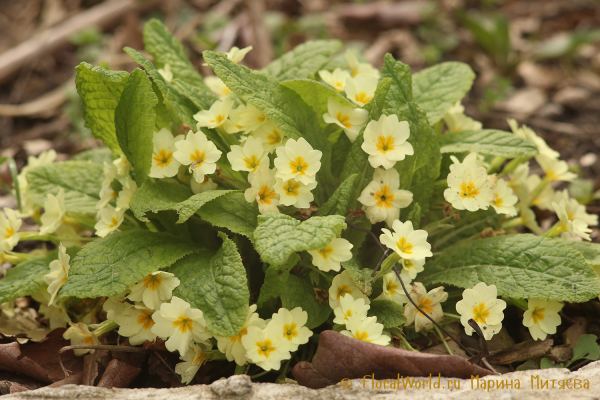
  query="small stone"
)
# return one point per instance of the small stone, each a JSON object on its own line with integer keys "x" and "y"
{"x": 572, "y": 96}
{"x": 236, "y": 385}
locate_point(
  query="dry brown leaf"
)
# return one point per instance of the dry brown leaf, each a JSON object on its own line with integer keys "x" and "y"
{"x": 118, "y": 375}
{"x": 521, "y": 352}
{"x": 340, "y": 357}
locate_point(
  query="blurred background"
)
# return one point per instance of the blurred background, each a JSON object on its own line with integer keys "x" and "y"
{"x": 537, "y": 61}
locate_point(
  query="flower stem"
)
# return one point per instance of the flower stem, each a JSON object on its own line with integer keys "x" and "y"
{"x": 522, "y": 304}
{"x": 496, "y": 164}
{"x": 437, "y": 330}
{"x": 539, "y": 188}
{"x": 512, "y": 223}
{"x": 105, "y": 327}
{"x": 453, "y": 316}
{"x": 512, "y": 165}
{"x": 239, "y": 369}
{"x": 260, "y": 374}
{"x": 387, "y": 265}
{"x": 555, "y": 230}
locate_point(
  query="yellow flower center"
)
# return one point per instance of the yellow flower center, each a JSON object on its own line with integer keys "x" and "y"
{"x": 290, "y": 188}
{"x": 385, "y": 144}
{"x": 152, "y": 282}
{"x": 362, "y": 98}
{"x": 261, "y": 118}
{"x": 468, "y": 190}
{"x": 384, "y": 197}
{"x": 265, "y": 194}
{"x": 184, "y": 324}
{"x": 364, "y": 336}
{"x": 551, "y": 175}
{"x": 342, "y": 291}
{"x": 426, "y": 305}
{"x": 163, "y": 158}
{"x": 220, "y": 118}
{"x": 113, "y": 222}
{"x": 88, "y": 340}
{"x": 538, "y": 314}
{"x": 498, "y": 202}
{"x": 239, "y": 336}
{"x": 480, "y": 313}
{"x": 265, "y": 348}
{"x": 199, "y": 359}
{"x": 391, "y": 287}
{"x": 298, "y": 166}
{"x": 290, "y": 331}
{"x": 404, "y": 247}
{"x": 252, "y": 162}
{"x": 274, "y": 138}
{"x": 344, "y": 120}
{"x": 9, "y": 232}
{"x": 407, "y": 264}
{"x": 325, "y": 251}
{"x": 145, "y": 319}
{"x": 197, "y": 158}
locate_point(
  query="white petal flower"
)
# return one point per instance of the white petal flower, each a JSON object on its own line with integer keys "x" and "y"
{"x": 469, "y": 188}
{"x": 392, "y": 289}
{"x": 382, "y": 199}
{"x": 411, "y": 268}
{"x": 386, "y": 141}
{"x": 527, "y": 133}
{"x": 542, "y": 318}
{"x": 54, "y": 212}
{"x": 481, "y": 305}
{"x": 125, "y": 194}
{"x": 59, "y": 272}
{"x": 266, "y": 347}
{"x": 115, "y": 305}
{"x": 456, "y": 120}
{"x": 294, "y": 193}
{"x": 164, "y": 165}
{"x": 405, "y": 241}
{"x": 291, "y": 327}
{"x": 155, "y": 289}
{"x": 504, "y": 200}
{"x": 555, "y": 169}
{"x": 348, "y": 308}
{"x": 519, "y": 176}
{"x": 9, "y": 229}
{"x": 123, "y": 167}
{"x": 166, "y": 73}
{"x": 544, "y": 199}
{"x": 198, "y": 152}
{"x": 262, "y": 190}
{"x": 111, "y": 172}
{"x": 80, "y": 334}
{"x": 428, "y": 302}
{"x": 361, "y": 89}
{"x": 232, "y": 346}
{"x": 215, "y": 116}
{"x": 181, "y": 324}
{"x": 216, "y": 85}
{"x": 136, "y": 323}
{"x": 529, "y": 220}
{"x": 367, "y": 330}
{"x": 272, "y": 137}
{"x": 193, "y": 360}
{"x": 357, "y": 67}
{"x": 236, "y": 54}
{"x": 336, "y": 80}
{"x": 107, "y": 194}
{"x": 330, "y": 257}
{"x": 56, "y": 314}
{"x": 569, "y": 212}
{"x": 251, "y": 118}
{"x": 110, "y": 220}
{"x": 342, "y": 285}
{"x": 574, "y": 209}
{"x": 350, "y": 119}
{"x": 206, "y": 185}
{"x": 234, "y": 123}
{"x": 298, "y": 160}
{"x": 249, "y": 157}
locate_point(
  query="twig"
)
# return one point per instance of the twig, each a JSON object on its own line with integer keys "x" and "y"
{"x": 383, "y": 257}
{"x": 126, "y": 349}
{"x": 262, "y": 39}
{"x": 369, "y": 232}
{"x": 157, "y": 354}
{"x": 427, "y": 315}
{"x": 484, "y": 353}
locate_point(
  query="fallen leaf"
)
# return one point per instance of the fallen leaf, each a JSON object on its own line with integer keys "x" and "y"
{"x": 574, "y": 332}
{"x": 91, "y": 366}
{"x": 70, "y": 380}
{"x": 118, "y": 375}
{"x": 340, "y": 357}
{"x": 156, "y": 366}
{"x": 521, "y": 352}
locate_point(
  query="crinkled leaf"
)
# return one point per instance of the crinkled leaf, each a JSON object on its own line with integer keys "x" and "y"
{"x": 361, "y": 276}
{"x": 159, "y": 195}
{"x": 488, "y": 141}
{"x": 471, "y": 224}
{"x": 109, "y": 265}
{"x": 388, "y": 313}
{"x": 590, "y": 251}
{"x": 278, "y": 235}
{"x": 415, "y": 216}
{"x": 521, "y": 266}
{"x": 25, "y": 278}
{"x": 96, "y": 156}
{"x": 276, "y": 278}
{"x": 303, "y": 60}
{"x": 100, "y": 91}
{"x": 339, "y": 202}
{"x": 218, "y": 286}
{"x": 436, "y": 89}
{"x": 134, "y": 120}
{"x": 233, "y": 212}
{"x": 81, "y": 181}
{"x": 299, "y": 293}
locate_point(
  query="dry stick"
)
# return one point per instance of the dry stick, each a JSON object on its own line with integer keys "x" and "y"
{"x": 485, "y": 352}
{"x": 427, "y": 315}
{"x": 126, "y": 349}
{"x": 369, "y": 232}
{"x": 157, "y": 354}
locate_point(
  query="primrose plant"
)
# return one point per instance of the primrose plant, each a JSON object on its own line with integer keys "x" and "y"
{"x": 236, "y": 216}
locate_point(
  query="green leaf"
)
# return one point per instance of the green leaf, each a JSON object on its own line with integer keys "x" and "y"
{"x": 436, "y": 89}
{"x": 586, "y": 348}
{"x": 81, "y": 181}
{"x": 233, "y": 212}
{"x": 417, "y": 172}
{"x": 218, "y": 287}
{"x": 109, "y": 265}
{"x": 488, "y": 141}
{"x": 415, "y": 216}
{"x": 304, "y": 60}
{"x": 472, "y": 223}
{"x": 590, "y": 251}
{"x": 299, "y": 293}
{"x": 159, "y": 195}
{"x": 25, "y": 278}
{"x": 276, "y": 278}
{"x": 100, "y": 91}
{"x": 179, "y": 105}
{"x": 97, "y": 156}
{"x": 316, "y": 94}
{"x": 388, "y": 313}
{"x": 339, "y": 202}
{"x": 361, "y": 277}
{"x": 278, "y": 235}
{"x": 521, "y": 266}
{"x": 166, "y": 49}
{"x": 134, "y": 120}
